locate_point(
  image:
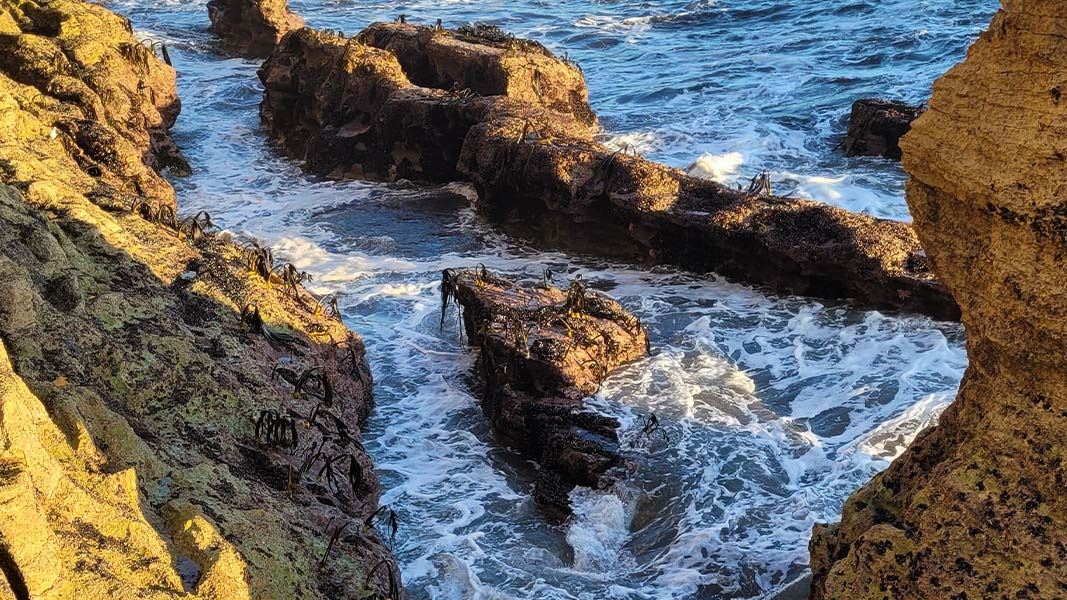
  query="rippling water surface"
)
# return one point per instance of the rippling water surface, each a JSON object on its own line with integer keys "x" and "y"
{"x": 776, "y": 407}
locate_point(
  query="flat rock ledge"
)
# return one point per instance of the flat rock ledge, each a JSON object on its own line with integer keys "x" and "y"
{"x": 251, "y": 28}
{"x": 542, "y": 351}
{"x": 351, "y": 110}
{"x": 179, "y": 417}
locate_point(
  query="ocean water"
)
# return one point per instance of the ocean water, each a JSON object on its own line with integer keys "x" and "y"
{"x": 776, "y": 408}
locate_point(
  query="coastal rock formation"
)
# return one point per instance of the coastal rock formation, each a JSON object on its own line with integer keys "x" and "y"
{"x": 485, "y": 61}
{"x": 975, "y": 507}
{"x": 570, "y": 186}
{"x": 876, "y": 126}
{"x": 349, "y": 110}
{"x": 178, "y": 417}
{"x": 542, "y": 351}
{"x": 251, "y": 28}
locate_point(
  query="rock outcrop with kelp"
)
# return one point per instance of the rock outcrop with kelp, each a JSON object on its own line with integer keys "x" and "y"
{"x": 178, "y": 417}
{"x": 975, "y": 507}
{"x": 351, "y": 110}
{"x": 566, "y": 187}
{"x": 542, "y": 351}
{"x": 251, "y": 28}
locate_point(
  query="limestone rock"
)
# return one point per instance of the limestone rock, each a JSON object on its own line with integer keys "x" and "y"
{"x": 975, "y": 507}
{"x": 251, "y": 28}
{"x": 876, "y": 126}
{"x": 486, "y": 61}
{"x": 164, "y": 410}
{"x": 349, "y": 110}
{"x": 573, "y": 189}
{"x": 542, "y": 351}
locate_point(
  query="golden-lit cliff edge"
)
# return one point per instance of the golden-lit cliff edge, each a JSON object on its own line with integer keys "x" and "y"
{"x": 975, "y": 508}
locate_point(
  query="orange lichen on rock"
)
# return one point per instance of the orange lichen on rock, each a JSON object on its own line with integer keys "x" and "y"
{"x": 975, "y": 507}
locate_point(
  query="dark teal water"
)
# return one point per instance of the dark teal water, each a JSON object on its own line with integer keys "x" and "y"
{"x": 777, "y": 407}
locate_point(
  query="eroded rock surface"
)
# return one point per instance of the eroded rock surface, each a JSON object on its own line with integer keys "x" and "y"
{"x": 166, "y": 412}
{"x": 574, "y": 189}
{"x": 351, "y": 110}
{"x": 542, "y": 351}
{"x": 485, "y": 61}
{"x": 251, "y": 28}
{"x": 876, "y": 126}
{"x": 975, "y": 507}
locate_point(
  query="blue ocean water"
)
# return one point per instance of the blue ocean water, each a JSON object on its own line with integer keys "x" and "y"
{"x": 777, "y": 407}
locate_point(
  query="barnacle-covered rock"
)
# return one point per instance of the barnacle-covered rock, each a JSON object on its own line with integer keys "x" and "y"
{"x": 251, "y": 28}
{"x": 975, "y": 507}
{"x": 486, "y": 61}
{"x": 569, "y": 188}
{"x": 172, "y": 424}
{"x": 542, "y": 351}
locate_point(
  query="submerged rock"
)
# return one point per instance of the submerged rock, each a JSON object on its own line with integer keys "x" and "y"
{"x": 542, "y": 351}
{"x": 172, "y": 421}
{"x": 975, "y": 507}
{"x": 251, "y": 28}
{"x": 876, "y": 126}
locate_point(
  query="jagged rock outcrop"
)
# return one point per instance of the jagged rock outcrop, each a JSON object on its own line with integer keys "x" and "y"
{"x": 350, "y": 111}
{"x": 575, "y": 188}
{"x": 485, "y": 61}
{"x": 875, "y": 127}
{"x": 975, "y": 507}
{"x": 165, "y": 411}
{"x": 542, "y": 351}
{"x": 251, "y": 28}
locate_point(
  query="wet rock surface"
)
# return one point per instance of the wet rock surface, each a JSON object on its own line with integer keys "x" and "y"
{"x": 251, "y": 28}
{"x": 974, "y": 508}
{"x": 661, "y": 215}
{"x": 875, "y": 127}
{"x": 542, "y": 350}
{"x": 178, "y": 416}
{"x": 351, "y": 110}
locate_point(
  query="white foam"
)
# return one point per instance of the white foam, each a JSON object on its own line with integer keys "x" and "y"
{"x": 717, "y": 167}
{"x": 599, "y": 529}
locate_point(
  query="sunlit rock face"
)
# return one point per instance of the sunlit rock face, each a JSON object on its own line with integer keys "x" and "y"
{"x": 167, "y": 413}
{"x": 975, "y": 508}
{"x": 251, "y": 28}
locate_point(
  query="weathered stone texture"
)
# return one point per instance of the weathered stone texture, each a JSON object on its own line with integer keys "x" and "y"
{"x": 975, "y": 507}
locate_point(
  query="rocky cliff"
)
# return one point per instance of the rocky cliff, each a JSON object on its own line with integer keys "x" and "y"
{"x": 178, "y": 417}
{"x": 975, "y": 508}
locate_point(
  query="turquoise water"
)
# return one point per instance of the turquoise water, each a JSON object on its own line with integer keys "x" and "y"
{"x": 777, "y": 407}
